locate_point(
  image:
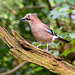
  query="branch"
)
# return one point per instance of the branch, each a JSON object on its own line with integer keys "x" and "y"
{"x": 24, "y": 51}
{"x": 49, "y": 5}
{"x": 15, "y": 69}
{"x": 31, "y": 7}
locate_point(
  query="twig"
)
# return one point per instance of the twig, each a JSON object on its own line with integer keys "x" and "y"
{"x": 31, "y": 7}
{"x": 14, "y": 69}
{"x": 49, "y": 5}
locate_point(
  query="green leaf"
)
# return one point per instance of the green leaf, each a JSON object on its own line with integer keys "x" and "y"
{"x": 33, "y": 65}
{"x": 56, "y": 53}
{"x": 72, "y": 35}
{"x": 66, "y": 52}
{"x": 59, "y": 11}
{"x": 37, "y": 69}
{"x": 35, "y": 43}
{"x": 72, "y": 41}
{"x": 59, "y": 29}
{"x": 73, "y": 11}
{"x": 72, "y": 2}
{"x": 59, "y": 1}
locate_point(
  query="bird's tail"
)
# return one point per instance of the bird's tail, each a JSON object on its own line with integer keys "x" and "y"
{"x": 61, "y": 39}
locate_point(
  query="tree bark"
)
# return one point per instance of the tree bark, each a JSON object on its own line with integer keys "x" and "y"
{"x": 24, "y": 51}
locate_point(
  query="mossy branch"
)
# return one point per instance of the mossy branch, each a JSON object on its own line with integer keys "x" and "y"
{"x": 24, "y": 51}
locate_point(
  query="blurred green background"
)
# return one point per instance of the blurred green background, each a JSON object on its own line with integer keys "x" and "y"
{"x": 59, "y": 16}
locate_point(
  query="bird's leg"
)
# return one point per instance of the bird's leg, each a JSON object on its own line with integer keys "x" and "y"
{"x": 39, "y": 45}
{"x": 47, "y": 48}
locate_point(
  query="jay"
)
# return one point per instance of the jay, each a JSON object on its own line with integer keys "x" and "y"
{"x": 42, "y": 33}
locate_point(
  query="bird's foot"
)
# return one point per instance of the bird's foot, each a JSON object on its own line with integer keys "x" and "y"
{"x": 39, "y": 45}
{"x": 46, "y": 50}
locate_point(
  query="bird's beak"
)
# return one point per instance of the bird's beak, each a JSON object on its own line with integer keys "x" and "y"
{"x": 23, "y": 19}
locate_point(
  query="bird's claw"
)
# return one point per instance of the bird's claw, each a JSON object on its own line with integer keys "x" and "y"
{"x": 46, "y": 50}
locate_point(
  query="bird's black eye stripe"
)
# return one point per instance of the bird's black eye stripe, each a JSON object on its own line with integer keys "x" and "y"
{"x": 27, "y": 19}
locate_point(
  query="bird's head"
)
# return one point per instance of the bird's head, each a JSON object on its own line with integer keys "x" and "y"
{"x": 30, "y": 18}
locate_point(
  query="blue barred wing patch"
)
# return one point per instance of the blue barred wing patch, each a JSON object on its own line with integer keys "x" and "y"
{"x": 50, "y": 31}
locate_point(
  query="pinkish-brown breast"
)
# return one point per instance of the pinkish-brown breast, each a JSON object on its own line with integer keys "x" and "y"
{"x": 40, "y": 33}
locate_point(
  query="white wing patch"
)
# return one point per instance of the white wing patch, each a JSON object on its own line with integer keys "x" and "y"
{"x": 54, "y": 38}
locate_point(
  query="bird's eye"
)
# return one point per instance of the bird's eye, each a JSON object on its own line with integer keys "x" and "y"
{"x": 28, "y": 16}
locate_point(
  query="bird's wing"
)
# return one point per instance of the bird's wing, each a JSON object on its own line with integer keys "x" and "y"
{"x": 51, "y": 32}
{"x": 55, "y": 36}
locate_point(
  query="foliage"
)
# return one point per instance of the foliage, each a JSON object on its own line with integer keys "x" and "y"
{"x": 10, "y": 13}
{"x": 59, "y": 12}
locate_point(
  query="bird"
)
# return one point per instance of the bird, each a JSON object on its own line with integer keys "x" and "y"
{"x": 42, "y": 33}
